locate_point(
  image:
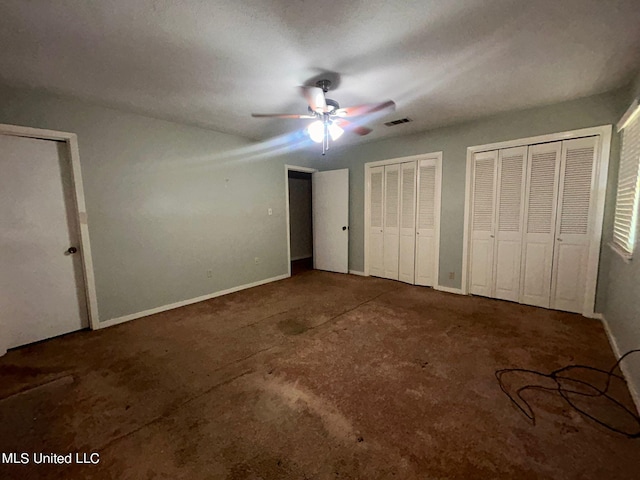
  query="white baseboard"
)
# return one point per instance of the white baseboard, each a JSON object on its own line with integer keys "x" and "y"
{"x": 457, "y": 291}
{"x": 164, "y": 308}
{"x": 357, "y": 272}
{"x": 633, "y": 388}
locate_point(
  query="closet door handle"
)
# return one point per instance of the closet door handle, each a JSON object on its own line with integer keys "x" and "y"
{"x": 559, "y": 239}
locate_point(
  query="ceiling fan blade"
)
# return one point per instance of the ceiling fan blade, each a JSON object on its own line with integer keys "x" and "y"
{"x": 315, "y": 99}
{"x": 360, "y": 130}
{"x": 281, "y": 115}
{"x": 365, "y": 109}
{"x": 352, "y": 127}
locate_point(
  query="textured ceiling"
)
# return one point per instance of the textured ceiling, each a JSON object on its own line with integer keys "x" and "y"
{"x": 213, "y": 63}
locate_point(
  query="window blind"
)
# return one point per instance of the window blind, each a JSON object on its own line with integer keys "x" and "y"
{"x": 626, "y": 216}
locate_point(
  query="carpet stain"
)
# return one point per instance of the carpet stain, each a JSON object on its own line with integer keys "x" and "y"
{"x": 291, "y": 326}
{"x": 299, "y": 398}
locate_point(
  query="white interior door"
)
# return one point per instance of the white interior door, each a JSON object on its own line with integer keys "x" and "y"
{"x": 539, "y": 223}
{"x": 427, "y": 228}
{"x": 330, "y": 204}
{"x": 376, "y": 239}
{"x": 406, "y": 264}
{"x": 572, "y": 225}
{"x": 41, "y": 284}
{"x": 509, "y": 214}
{"x": 482, "y": 222}
{"x": 391, "y": 248}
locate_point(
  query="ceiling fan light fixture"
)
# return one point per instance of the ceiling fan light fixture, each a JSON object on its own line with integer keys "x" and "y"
{"x": 316, "y": 131}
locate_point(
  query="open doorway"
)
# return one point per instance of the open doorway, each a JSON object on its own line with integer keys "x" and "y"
{"x": 317, "y": 219}
{"x": 300, "y": 221}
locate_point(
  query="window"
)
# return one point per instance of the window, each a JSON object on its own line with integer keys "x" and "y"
{"x": 625, "y": 227}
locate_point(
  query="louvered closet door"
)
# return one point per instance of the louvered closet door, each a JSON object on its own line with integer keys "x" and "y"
{"x": 572, "y": 225}
{"x": 509, "y": 213}
{"x": 427, "y": 231}
{"x": 482, "y": 218}
{"x": 406, "y": 270}
{"x": 391, "y": 248}
{"x": 539, "y": 223}
{"x": 376, "y": 223}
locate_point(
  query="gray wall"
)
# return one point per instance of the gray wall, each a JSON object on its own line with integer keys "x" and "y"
{"x": 622, "y": 309}
{"x": 166, "y": 202}
{"x": 453, "y": 142}
{"x": 300, "y": 217}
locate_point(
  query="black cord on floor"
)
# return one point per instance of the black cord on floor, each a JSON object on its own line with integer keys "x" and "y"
{"x": 560, "y": 375}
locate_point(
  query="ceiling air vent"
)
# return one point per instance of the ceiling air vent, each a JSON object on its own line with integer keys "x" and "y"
{"x": 398, "y": 122}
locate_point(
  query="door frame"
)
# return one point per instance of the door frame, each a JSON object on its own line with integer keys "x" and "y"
{"x": 603, "y": 148}
{"x": 367, "y": 197}
{"x": 287, "y": 169}
{"x": 71, "y": 141}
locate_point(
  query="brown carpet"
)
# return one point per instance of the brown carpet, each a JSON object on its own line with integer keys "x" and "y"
{"x": 321, "y": 376}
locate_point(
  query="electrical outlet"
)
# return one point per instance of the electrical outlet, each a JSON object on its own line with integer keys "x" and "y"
{"x": 209, "y": 273}
{"x": 452, "y": 275}
{"x": 270, "y": 211}
{"x": 257, "y": 260}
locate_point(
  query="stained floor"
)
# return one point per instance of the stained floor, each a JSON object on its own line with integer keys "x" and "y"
{"x": 320, "y": 376}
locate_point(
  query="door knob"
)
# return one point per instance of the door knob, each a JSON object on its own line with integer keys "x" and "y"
{"x": 344, "y": 228}
{"x": 72, "y": 250}
{"x": 559, "y": 239}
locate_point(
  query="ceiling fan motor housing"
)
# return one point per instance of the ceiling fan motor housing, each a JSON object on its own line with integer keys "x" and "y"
{"x": 331, "y": 104}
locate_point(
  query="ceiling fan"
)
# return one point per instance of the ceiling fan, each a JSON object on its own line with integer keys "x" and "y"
{"x": 330, "y": 118}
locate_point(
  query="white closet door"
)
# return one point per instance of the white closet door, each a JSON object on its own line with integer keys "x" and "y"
{"x": 539, "y": 223}
{"x": 508, "y": 239}
{"x": 427, "y": 228}
{"x": 482, "y": 215}
{"x": 376, "y": 220}
{"x": 406, "y": 270}
{"x": 572, "y": 224}
{"x": 391, "y": 248}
